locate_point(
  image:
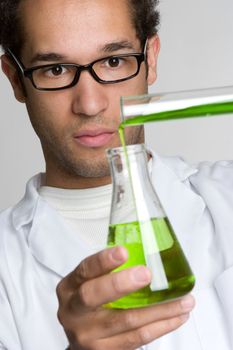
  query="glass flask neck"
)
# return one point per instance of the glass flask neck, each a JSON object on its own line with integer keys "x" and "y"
{"x": 134, "y": 198}
{"x": 121, "y": 159}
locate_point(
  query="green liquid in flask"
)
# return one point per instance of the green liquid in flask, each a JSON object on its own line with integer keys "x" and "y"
{"x": 177, "y": 279}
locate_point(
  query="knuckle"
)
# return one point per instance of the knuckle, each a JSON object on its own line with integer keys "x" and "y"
{"x": 129, "y": 320}
{"x": 63, "y": 294}
{"x": 111, "y": 321}
{"x": 117, "y": 283}
{"x": 83, "y": 296}
{"x": 60, "y": 316}
{"x": 101, "y": 257}
{"x": 129, "y": 343}
{"x": 82, "y": 271}
{"x": 144, "y": 335}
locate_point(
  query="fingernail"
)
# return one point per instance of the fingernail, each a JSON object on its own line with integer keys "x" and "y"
{"x": 187, "y": 303}
{"x": 119, "y": 254}
{"x": 141, "y": 274}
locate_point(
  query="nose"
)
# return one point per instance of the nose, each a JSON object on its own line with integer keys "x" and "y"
{"x": 90, "y": 97}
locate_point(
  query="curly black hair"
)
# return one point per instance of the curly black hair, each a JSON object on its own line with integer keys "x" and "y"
{"x": 145, "y": 18}
{"x": 9, "y": 25}
{"x": 144, "y": 15}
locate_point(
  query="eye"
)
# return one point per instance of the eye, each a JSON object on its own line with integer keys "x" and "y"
{"x": 56, "y": 70}
{"x": 114, "y": 62}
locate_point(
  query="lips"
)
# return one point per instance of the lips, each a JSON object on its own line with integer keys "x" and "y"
{"x": 94, "y": 138}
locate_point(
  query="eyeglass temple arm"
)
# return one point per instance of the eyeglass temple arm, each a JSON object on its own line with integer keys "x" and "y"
{"x": 145, "y": 47}
{"x": 20, "y": 68}
{"x": 19, "y": 64}
{"x": 145, "y": 54}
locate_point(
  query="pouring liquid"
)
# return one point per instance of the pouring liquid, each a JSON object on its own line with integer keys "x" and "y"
{"x": 174, "y": 261}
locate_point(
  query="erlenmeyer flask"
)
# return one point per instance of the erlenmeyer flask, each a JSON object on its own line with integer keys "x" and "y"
{"x": 139, "y": 223}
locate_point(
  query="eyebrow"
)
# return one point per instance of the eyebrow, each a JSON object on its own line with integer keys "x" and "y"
{"x": 47, "y": 57}
{"x": 116, "y": 46}
{"x": 55, "y": 57}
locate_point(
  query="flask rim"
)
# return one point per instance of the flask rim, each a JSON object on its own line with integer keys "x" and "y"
{"x": 139, "y": 147}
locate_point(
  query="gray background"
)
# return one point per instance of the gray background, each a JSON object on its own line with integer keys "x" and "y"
{"x": 196, "y": 52}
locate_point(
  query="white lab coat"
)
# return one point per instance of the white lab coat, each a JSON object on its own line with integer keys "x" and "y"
{"x": 37, "y": 250}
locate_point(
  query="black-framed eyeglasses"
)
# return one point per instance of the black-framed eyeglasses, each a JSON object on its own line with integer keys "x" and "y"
{"x": 106, "y": 70}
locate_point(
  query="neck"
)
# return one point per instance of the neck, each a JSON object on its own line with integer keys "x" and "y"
{"x": 74, "y": 182}
{"x": 59, "y": 177}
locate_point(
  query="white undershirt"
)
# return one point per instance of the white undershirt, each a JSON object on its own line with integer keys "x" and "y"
{"x": 86, "y": 211}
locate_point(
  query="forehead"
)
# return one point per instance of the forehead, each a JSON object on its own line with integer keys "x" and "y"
{"x": 74, "y": 25}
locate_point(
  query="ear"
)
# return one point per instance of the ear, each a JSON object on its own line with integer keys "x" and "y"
{"x": 13, "y": 75}
{"x": 153, "y": 47}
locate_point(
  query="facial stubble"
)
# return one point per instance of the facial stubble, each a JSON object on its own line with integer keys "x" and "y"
{"x": 61, "y": 152}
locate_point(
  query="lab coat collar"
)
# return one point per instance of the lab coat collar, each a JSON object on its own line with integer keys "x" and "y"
{"x": 24, "y": 211}
{"x": 61, "y": 250}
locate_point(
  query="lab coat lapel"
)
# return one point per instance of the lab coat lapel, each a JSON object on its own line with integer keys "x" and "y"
{"x": 223, "y": 285}
{"x": 53, "y": 243}
{"x": 183, "y": 206}
{"x": 215, "y": 184}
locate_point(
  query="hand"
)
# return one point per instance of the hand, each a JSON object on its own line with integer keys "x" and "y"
{"x": 89, "y": 326}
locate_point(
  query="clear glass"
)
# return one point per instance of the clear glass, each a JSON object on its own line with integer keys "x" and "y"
{"x": 139, "y": 223}
{"x": 136, "y": 110}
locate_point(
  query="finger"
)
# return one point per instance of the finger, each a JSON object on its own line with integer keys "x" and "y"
{"x": 142, "y": 336}
{"x": 112, "y": 322}
{"x": 96, "y": 265}
{"x": 107, "y": 288}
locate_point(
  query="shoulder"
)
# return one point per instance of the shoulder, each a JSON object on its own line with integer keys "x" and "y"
{"x": 5, "y": 216}
{"x": 214, "y": 183}
{"x": 13, "y": 224}
{"x": 6, "y": 225}
{"x": 217, "y": 176}
{"x": 21, "y": 214}
{"x": 216, "y": 170}
{"x": 8, "y": 234}
{"x": 176, "y": 165}
{"x": 206, "y": 174}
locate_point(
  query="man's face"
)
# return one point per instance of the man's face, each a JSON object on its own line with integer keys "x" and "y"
{"x": 76, "y": 125}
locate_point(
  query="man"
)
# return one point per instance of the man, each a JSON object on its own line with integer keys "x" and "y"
{"x": 66, "y": 60}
